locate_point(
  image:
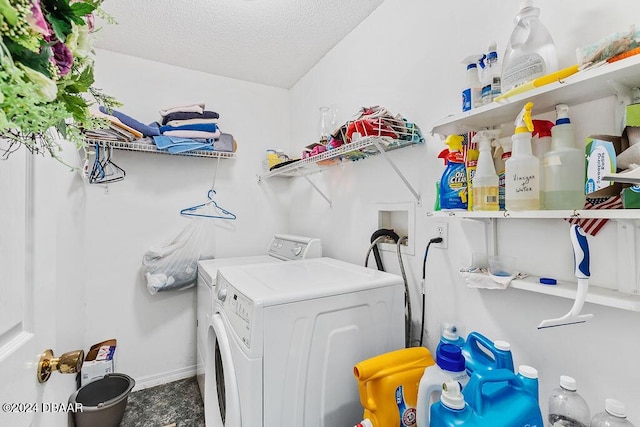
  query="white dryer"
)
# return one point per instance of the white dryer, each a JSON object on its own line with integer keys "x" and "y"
{"x": 283, "y": 247}
{"x": 285, "y": 338}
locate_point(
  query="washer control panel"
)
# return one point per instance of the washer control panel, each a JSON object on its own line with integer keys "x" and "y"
{"x": 288, "y": 247}
{"x": 237, "y": 307}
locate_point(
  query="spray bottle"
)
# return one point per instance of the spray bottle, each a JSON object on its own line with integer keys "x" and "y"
{"x": 471, "y": 155}
{"x": 540, "y": 145}
{"x": 563, "y": 166}
{"x": 485, "y": 181}
{"x": 492, "y": 76}
{"x": 453, "y": 184}
{"x": 522, "y": 170}
{"x": 472, "y": 91}
{"x": 501, "y": 155}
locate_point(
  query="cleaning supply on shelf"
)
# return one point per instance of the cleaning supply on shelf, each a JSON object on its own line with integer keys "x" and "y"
{"x": 530, "y": 52}
{"x": 485, "y": 185}
{"x": 563, "y": 166}
{"x": 540, "y": 81}
{"x": 512, "y": 400}
{"x": 471, "y": 155}
{"x": 522, "y": 169}
{"x": 491, "y": 88}
{"x": 472, "y": 91}
{"x": 614, "y": 415}
{"x": 540, "y": 145}
{"x": 388, "y": 385}
{"x": 481, "y": 354}
{"x": 566, "y": 406}
{"x": 453, "y": 184}
{"x": 502, "y": 152}
{"x": 581, "y": 266}
{"x": 450, "y": 366}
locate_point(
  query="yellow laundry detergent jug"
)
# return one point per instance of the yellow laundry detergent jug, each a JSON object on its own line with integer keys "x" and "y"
{"x": 388, "y": 386}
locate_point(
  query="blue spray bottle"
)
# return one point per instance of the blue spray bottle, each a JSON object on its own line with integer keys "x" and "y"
{"x": 453, "y": 184}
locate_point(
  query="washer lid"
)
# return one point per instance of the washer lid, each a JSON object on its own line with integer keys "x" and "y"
{"x": 272, "y": 284}
{"x": 209, "y": 267}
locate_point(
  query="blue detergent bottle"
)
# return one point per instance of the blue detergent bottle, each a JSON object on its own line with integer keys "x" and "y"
{"x": 500, "y": 398}
{"x": 480, "y": 353}
{"x": 453, "y": 184}
{"x": 452, "y": 410}
{"x": 450, "y": 334}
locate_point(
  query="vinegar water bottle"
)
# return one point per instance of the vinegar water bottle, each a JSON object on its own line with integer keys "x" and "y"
{"x": 613, "y": 416}
{"x": 566, "y": 406}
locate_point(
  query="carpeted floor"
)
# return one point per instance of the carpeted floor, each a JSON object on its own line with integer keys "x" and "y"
{"x": 176, "y": 404}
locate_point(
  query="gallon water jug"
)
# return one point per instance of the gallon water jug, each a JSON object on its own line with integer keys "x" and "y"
{"x": 388, "y": 386}
{"x": 476, "y": 358}
{"x": 500, "y": 398}
{"x": 449, "y": 367}
{"x": 613, "y": 416}
{"x": 566, "y": 406}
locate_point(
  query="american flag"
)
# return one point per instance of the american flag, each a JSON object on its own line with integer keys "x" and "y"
{"x": 593, "y": 225}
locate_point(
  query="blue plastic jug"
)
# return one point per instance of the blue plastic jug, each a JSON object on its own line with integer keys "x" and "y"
{"x": 496, "y": 398}
{"x": 476, "y": 358}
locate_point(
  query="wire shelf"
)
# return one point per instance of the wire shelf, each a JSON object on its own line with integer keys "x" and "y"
{"x": 150, "y": 147}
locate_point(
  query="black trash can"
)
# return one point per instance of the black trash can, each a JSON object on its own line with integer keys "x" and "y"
{"x": 103, "y": 401}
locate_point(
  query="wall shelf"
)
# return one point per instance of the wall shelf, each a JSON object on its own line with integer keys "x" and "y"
{"x": 150, "y": 147}
{"x": 596, "y": 295}
{"x": 543, "y": 214}
{"x": 363, "y": 148}
{"x": 584, "y": 86}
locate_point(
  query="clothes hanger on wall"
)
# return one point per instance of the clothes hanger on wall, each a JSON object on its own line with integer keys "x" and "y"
{"x": 105, "y": 170}
{"x": 221, "y": 213}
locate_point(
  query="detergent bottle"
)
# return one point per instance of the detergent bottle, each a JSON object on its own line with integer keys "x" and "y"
{"x": 530, "y": 52}
{"x": 453, "y": 184}
{"x": 492, "y": 76}
{"x": 486, "y": 188}
{"x": 566, "y": 406}
{"x": 471, "y": 164}
{"x": 502, "y": 152}
{"x": 450, "y": 334}
{"x": 449, "y": 366}
{"x": 452, "y": 410}
{"x": 564, "y": 166}
{"x": 500, "y": 398}
{"x": 480, "y": 354}
{"x": 472, "y": 91}
{"x": 388, "y": 386}
{"x": 522, "y": 170}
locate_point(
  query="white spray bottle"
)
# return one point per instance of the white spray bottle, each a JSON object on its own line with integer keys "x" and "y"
{"x": 522, "y": 170}
{"x": 485, "y": 181}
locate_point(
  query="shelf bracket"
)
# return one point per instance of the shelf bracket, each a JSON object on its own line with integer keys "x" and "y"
{"x": 384, "y": 155}
{"x": 318, "y": 190}
{"x": 625, "y": 96}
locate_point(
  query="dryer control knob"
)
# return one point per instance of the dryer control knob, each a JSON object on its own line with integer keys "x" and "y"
{"x": 297, "y": 250}
{"x": 222, "y": 294}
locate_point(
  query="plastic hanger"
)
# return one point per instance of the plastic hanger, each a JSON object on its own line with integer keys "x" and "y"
{"x": 192, "y": 210}
{"x": 105, "y": 170}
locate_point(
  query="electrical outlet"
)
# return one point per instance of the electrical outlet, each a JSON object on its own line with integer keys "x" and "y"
{"x": 440, "y": 229}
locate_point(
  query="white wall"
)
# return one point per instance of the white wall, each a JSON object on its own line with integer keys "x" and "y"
{"x": 156, "y": 334}
{"x": 406, "y": 56}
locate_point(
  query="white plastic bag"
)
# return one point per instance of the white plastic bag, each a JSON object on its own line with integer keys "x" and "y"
{"x": 174, "y": 266}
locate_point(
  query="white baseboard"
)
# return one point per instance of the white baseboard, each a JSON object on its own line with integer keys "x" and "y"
{"x": 165, "y": 377}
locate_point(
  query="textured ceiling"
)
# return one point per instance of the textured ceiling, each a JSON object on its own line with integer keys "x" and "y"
{"x": 274, "y": 42}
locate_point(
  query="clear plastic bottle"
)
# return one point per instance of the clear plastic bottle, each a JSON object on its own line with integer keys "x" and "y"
{"x": 567, "y": 407}
{"x": 485, "y": 181}
{"x": 491, "y": 88}
{"x": 531, "y": 52}
{"x": 522, "y": 170}
{"x": 613, "y": 416}
{"x": 564, "y": 166}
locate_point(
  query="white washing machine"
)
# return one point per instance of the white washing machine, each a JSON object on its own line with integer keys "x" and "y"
{"x": 283, "y": 247}
{"x": 285, "y": 337}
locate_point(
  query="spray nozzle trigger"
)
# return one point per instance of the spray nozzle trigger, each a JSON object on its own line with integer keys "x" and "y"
{"x": 523, "y": 121}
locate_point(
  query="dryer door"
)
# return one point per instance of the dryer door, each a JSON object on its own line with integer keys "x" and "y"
{"x": 225, "y": 389}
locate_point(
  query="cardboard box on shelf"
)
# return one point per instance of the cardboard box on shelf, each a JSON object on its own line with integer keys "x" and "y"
{"x": 631, "y": 197}
{"x": 601, "y": 152}
{"x": 100, "y": 360}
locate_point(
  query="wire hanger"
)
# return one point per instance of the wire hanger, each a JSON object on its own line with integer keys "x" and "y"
{"x": 225, "y": 214}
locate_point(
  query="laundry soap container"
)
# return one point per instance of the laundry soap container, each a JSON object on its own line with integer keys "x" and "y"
{"x": 480, "y": 353}
{"x": 449, "y": 367}
{"x": 566, "y": 406}
{"x": 388, "y": 386}
{"x": 103, "y": 401}
{"x": 613, "y": 416}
